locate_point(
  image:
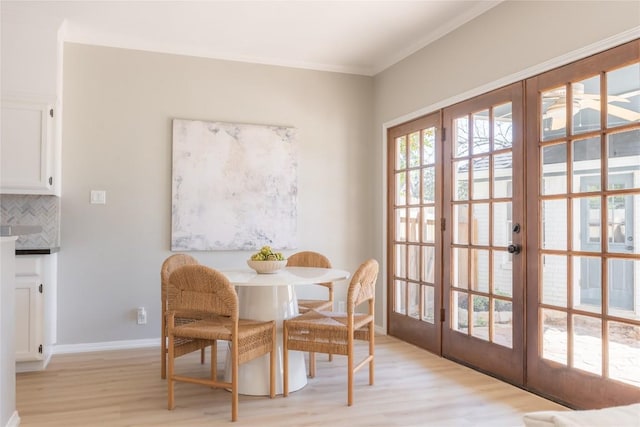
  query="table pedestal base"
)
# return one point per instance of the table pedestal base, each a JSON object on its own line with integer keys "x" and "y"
{"x": 268, "y": 303}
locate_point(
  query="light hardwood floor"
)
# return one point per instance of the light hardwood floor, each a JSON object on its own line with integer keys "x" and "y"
{"x": 413, "y": 388}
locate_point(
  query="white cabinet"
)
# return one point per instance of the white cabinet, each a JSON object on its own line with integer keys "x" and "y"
{"x": 27, "y": 152}
{"x": 28, "y": 318}
{"x": 35, "y": 311}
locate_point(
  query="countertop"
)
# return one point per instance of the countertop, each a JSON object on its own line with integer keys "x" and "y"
{"x": 37, "y": 251}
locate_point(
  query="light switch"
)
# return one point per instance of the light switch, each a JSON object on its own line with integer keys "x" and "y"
{"x": 98, "y": 197}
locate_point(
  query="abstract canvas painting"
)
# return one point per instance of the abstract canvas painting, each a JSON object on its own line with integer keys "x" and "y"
{"x": 234, "y": 186}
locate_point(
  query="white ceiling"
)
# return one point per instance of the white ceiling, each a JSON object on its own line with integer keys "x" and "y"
{"x": 359, "y": 37}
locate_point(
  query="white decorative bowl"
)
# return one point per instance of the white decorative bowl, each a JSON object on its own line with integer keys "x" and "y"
{"x": 266, "y": 267}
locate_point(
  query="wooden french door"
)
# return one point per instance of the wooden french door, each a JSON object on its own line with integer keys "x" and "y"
{"x": 483, "y": 267}
{"x": 414, "y": 232}
{"x": 515, "y": 241}
{"x": 583, "y": 250}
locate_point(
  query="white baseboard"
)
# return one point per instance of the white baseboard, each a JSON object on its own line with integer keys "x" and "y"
{"x": 127, "y": 344}
{"x": 104, "y": 346}
{"x": 14, "y": 421}
{"x": 35, "y": 365}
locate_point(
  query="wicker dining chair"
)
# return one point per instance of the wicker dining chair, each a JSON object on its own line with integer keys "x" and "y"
{"x": 183, "y": 346}
{"x": 207, "y": 293}
{"x": 334, "y": 333}
{"x": 313, "y": 259}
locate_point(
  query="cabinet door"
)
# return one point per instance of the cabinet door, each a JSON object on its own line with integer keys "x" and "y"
{"x": 28, "y": 319}
{"x": 26, "y": 152}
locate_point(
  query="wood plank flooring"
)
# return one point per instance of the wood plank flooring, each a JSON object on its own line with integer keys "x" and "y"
{"x": 413, "y": 388}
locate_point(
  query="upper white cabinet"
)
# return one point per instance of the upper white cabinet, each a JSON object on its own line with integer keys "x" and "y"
{"x": 27, "y": 151}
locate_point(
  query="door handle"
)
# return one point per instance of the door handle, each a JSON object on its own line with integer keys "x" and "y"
{"x": 514, "y": 249}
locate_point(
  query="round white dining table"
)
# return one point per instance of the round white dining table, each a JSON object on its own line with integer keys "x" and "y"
{"x": 272, "y": 297}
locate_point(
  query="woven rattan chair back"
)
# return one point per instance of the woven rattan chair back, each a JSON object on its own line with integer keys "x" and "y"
{"x": 201, "y": 289}
{"x": 310, "y": 259}
{"x": 362, "y": 285}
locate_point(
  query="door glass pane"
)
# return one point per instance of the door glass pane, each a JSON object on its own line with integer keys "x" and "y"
{"x": 429, "y": 224}
{"x": 401, "y": 260}
{"x": 414, "y": 149}
{"x": 401, "y": 188}
{"x": 554, "y": 113}
{"x": 502, "y": 274}
{"x": 502, "y": 175}
{"x": 428, "y": 264}
{"x": 428, "y": 304}
{"x": 460, "y": 224}
{"x": 554, "y": 169}
{"x": 460, "y": 273}
{"x": 480, "y": 270}
{"x": 623, "y": 287}
{"x": 624, "y": 158}
{"x": 399, "y": 304}
{"x": 586, "y": 224}
{"x": 502, "y": 322}
{"x": 401, "y": 224}
{"x": 623, "y": 96}
{"x": 480, "y": 176}
{"x": 429, "y": 185}
{"x": 502, "y": 224}
{"x": 586, "y": 105}
{"x": 481, "y": 132}
{"x": 461, "y": 137}
{"x": 554, "y": 280}
{"x": 554, "y": 224}
{"x": 460, "y": 311}
{"x": 401, "y": 152}
{"x": 480, "y": 317}
{"x": 587, "y": 344}
{"x": 587, "y": 283}
{"x": 622, "y": 220}
{"x": 461, "y": 180}
{"x": 414, "y": 300}
{"x": 586, "y": 164}
{"x": 414, "y": 224}
{"x": 480, "y": 224}
{"x": 429, "y": 146}
{"x": 414, "y": 262}
{"x": 554, "y": 340}
{"x": 502, "y": 126}
{"x": 624, "y": 352}
{"x": 414, "y": 187}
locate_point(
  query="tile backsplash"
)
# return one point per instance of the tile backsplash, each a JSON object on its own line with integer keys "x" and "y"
{"x": 21, "y": 209}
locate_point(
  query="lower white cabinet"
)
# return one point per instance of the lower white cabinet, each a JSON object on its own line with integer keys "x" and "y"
{"x": 35, "y": 311}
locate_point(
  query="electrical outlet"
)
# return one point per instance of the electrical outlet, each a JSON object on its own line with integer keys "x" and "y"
{"x": 142, "y": 316}
{"x": 341, "y": 307}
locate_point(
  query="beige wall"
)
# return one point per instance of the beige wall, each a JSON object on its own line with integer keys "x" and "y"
{"x": 117, "y": 137}
{"x": 504, "y": 42}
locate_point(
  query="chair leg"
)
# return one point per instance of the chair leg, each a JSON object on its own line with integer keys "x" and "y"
{"x": 312, "y": 364}
{"x": 214, "y": 360}
{"x": 163, "y": 349}
{"x": 170, "y": 391}
{"x": 202, "y": 356}
{"x": 285, "y": 360}
{"x": 234, "y": 382}
{"x": 350, "y": 372}
{"x": 371, "y": 351}
{"x": 272, "y": 367}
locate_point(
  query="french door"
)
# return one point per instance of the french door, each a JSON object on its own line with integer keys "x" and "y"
{"x": 515, "y": 239}
{"x": 483, "y": 293}
{"x": 414, "y": 182}
{"x": 583, "y": 244}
